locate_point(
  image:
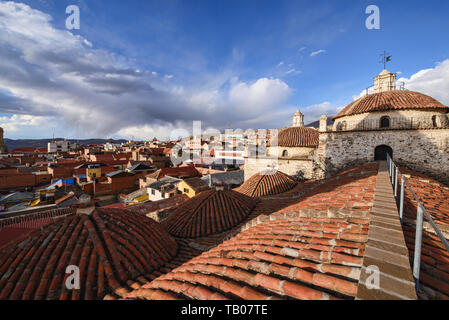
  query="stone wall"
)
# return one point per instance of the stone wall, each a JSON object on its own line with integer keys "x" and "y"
{"x": 295, "y": 152}
{"x": 425, "y": 151}
{"x": 296, "y": 167}
{"x": 404, "y": 119}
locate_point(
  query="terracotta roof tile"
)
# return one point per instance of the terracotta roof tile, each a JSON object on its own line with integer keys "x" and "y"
{"x": 290, "y": 254}
{"x": 209, "y": 213}
{"x": 109, "y": 249}
{"x": 391, "y": 100}
{"x": 297, "y": 137}
{"x": 267, "y": 183}
{"x": 434, "y": 277}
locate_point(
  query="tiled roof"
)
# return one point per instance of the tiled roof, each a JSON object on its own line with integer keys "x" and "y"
{"x": 210, "y": 212}
{"x": 266, "y": 183}
{"x": 178, "y": 172}
{"x": 13, "y": 227}
{"x": 298, "y": 137}
{"x": 311, "y": 249}
{"x": 391, "y": 100}
{"x": 110, "y": 248}
{"x": 434, "y": 277}
{"x": 197, "y": 184}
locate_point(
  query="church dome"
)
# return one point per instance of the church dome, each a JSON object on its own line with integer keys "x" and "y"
{"x": 298, "y": 137}
{"x": 267, "y": 183}
{"x": 210, "y": 212}
{"x": 391, "y": 100}
{"x": 109, "y": 248}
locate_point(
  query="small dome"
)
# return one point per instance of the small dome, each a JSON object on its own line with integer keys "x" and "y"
{"x": 210, "y": 212}
{"x": 391, "y": 100}
{"x": 298, "y": 137}
{"x": 267, "y": 183}
{"x": 109, "y": 248}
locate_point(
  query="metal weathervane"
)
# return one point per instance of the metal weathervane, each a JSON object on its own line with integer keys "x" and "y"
{"x": 385, "y": 58}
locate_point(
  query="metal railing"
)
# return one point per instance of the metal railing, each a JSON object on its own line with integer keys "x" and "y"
{"x": 399, "y": 85}
{"x": 421, "y": 211}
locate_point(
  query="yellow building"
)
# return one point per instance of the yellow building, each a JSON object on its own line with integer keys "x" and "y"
{"x": 93, "y": 172}
{"x": 192, "y": 186}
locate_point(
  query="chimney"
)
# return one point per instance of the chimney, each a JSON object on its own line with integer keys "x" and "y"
{"x": 323, "y": 123}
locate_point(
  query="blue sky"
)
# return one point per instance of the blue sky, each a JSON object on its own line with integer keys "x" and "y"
{"x": 249, "y": 63}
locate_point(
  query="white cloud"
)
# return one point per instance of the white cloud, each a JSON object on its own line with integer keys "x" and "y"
{"x": 293, "y": 71}
{"x": 280, "y": 64}
{"x": 261, "y": 95}
{"x": 433, "y": 82}
{"x": 17, "y": 122}
{"x": 52, "y": 73}
{"x": 314, "y": 53}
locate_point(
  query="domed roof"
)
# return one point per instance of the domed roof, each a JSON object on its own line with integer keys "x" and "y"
{"x": 391, "y": 100}
{"x": 298, "y": 137}
{"x": 210, "y": 212}
{"x": 109, "y": 247}
{"x": 266, "y": 183}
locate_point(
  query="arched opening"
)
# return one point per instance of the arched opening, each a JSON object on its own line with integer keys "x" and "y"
{"x": 285, "y": 153}
{"x": 338, "y": 126}
{"x": 380, "y": 153}
{"x": 434, "y": 121}
{"x": 385, "y": 122}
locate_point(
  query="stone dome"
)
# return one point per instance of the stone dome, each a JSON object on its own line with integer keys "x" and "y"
{"x": 269, "y": 182}
{"x": 210, "y": 212}
{"x": 298, "y": 137}
{"x": 109, "y": 247}
{"x": 391, "y": 100}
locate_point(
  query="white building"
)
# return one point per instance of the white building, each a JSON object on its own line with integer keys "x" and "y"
{"x": 61, "y": 146}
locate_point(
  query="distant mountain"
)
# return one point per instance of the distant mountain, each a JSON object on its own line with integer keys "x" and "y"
{"x": 42, "y": 143}
{"x": 316, "y": 124}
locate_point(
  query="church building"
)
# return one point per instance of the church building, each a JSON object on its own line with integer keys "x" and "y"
{"x": 413, "y": 128}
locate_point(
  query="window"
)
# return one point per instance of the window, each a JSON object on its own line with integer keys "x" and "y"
{"x": 385, "y": 122}
{"x": 285, "y": 153}
{"x": 153, "y": 192}
{"x": 434, "y": 121}
{"x": 341, "y": 126}
{"x": 171, "y": 195}
{"x": 163, "y": 194}
{"x": 186, "y": 190}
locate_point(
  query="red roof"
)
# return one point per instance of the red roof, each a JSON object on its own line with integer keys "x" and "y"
{"x": 13, "y": 227}
{"x": 178, "y": 172}
{"x": 311, "y": 249}
{"x": 434, "y": 276}
{"x": 297, "y": 137}
{"x": 266, "y": 183}
{"x": 210, "y": 212}
{"x": 391, "y": 100}
{"x": 109, "y": 248}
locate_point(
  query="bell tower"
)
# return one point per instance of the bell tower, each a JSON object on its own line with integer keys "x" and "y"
{"x": 298, "y": 119}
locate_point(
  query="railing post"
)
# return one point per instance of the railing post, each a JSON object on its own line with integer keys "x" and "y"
{"x": 392, "y": 172}
{"x": 396, "y": 184}
{"x": 418, "y": 243}
{"x": 401, "y": 200}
